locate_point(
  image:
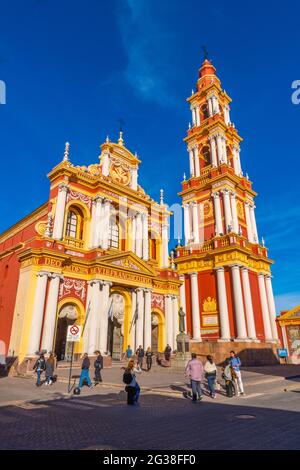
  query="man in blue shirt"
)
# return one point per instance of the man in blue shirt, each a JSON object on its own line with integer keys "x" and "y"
{"x": 236, "y": 364}
{"x": 128, "y": 352}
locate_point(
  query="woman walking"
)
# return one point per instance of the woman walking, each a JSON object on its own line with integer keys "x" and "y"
{"x": 39, "y": 368}
{"x": 50, "y": 364}
{"x": 210, "y": 370}
{"x": 149, "y": 355}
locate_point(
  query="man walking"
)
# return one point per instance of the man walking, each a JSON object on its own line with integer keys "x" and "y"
{"x": 39, "y": 367}
{"x": 194, "y": 370}
{"x": 140, "y": 356}
{"x": 98, "y": 365}
{"x": 85, "y": 372}
{"x": 236, "y": 363}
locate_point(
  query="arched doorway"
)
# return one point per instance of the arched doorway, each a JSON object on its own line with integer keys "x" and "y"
{"x": 157, "y": 331}
{"x": 154, "y": 333}
{"x": 115, "y": 338}
{"x": 66, "y": 316}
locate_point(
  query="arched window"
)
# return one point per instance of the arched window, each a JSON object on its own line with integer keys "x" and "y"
{"x": 204, "y": 110}
{"x": 206, "y": 155}
{"x": 113, "y": 237}
{"x": 74, "y": 226}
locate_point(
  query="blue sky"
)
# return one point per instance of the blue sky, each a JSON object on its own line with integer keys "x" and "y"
{"x": 72, "y": 69}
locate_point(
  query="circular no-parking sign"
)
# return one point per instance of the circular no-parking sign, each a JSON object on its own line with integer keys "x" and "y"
{"x": 74, "y": 333}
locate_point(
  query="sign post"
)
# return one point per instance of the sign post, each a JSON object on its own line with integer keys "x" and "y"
{"x": 73, "y": 336}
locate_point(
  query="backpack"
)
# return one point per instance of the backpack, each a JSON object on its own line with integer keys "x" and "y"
{"x": 127, "y": 377}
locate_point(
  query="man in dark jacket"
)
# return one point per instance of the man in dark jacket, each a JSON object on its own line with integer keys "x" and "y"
{"x": 85, "y": 372}
{"x": 140, "y": 355}
{"x": 98, "y": 364}
{"x": 39, "y": 367}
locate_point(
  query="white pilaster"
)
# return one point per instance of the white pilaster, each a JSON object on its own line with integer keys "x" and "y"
{"x": 105, "y": 223}
{"x": 139, "y": 236}
{"x": 145, "y": 237}
{"x": 272, "y": 308}
{"x": 195, "y": 307}
{"x": 51, "y": 313}
{"x": 133, "y": 316}
{"x": 195, "y": 222}
{"x": 264, "y": 307}
{"x": 187, "y": 225}
{"x": 285, "y": 340}
{"x": 134, "y": 178}
{"x": 103, "y": 312}
{"x": 175, "y": 321}
{"x": 169, "y": 320}
{"x": 60, "y": 212}
{"x": 248, "y": 222}
{"x": 227, "y": 208}
{"x": 182, "y": 293}
{"x": 248, "y": 304}
{"x": 210, "y": 108}
{"x": 197, "y": 116}
{"x": 192, "y": 163}
{"x": 139, "y": 331}
{"x": 218, "y": 215}
{"x": 196, "y": 160}
{"x": 97, "y": 227}
{"x": 105, "y": 163}
{"x": 94, "y": 324}
{"x": 223, "y": 307}
{"x": 133, "y": 233}
{"x": 238, "y": 303}
{"x": 37, "y": 314}
{"x": 147, "y": 323}
{"x": 235, "y": 221}
{"x": 219, "y": 148}
{"x": 253, "y": 223}
{"x": 213, "y": 151}
{"x": 224, "y": 153}
{"x": 165, "y": 243}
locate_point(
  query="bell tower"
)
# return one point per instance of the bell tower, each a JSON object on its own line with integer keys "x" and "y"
{"x": 226, "y": 292}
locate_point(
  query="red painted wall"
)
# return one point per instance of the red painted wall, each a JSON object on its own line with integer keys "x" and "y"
{"x": 231, "y": 313}
{"x": 253, "y": 279}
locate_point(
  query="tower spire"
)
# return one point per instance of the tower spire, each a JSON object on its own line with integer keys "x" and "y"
{"x": 66, "y": 152}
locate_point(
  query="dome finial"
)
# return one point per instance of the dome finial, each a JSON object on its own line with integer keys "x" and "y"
{"x": 121, "y": 141}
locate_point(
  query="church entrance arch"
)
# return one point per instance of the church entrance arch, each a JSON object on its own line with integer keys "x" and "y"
{"x": 157, "y": 331}
{"x": 67, "y": 315}
{"x": 115, "y": 340}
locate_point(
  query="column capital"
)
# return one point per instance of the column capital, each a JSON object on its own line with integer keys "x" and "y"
{"x": 215, "y": 195}
{"x": 193, "y": 274}
{"x": 43, "y": 273}
{"x": 225, "y": 191}
{"x": 97, "y": 199}
{"x": 245, "y": 269}
{"x": 56, "y": 275}
{"x": 181, "y": 277}
{"x": 235, "y": 266}
{"x": 219, "y": 269}
{"x": 63, "y": 187}
{"x": 232, "y": 194}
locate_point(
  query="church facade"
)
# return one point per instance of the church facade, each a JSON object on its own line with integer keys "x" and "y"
{"x": 96, "y": 253}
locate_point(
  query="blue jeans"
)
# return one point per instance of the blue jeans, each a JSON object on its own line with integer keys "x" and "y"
{"x": 38, "y": 377}
{"x": 211, "y": 379}
{"x": 84, "y": 375}
{"x": 137, "y": 392}
{"x": 196, "y": 389}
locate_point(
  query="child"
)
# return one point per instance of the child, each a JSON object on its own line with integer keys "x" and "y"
{"x": 228, "y": 376}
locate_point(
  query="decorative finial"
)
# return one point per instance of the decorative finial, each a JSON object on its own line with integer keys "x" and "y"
{"x": 179, "y": 242}
{"x": 190, "y": 125}
{"x": 107, "y": 139}
{"x": 66, "y": 153}
{"x": 192, "y": 92}
{"x": 184, "y": 177}
{"x": 172, "y": 260}
{"x": 121, "y": 141}
{"x": 247, "y": 176}
{"x": 240, "y": 231}
{"x": 263, "y": 241}
{"x": 161, "y": 197}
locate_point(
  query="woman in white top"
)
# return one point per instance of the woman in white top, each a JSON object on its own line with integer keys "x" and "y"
{"x": 210, "y": 370}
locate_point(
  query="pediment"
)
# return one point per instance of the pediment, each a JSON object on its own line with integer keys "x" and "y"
{"x": 293, "y": 314}
{"x": 127, "y": 261}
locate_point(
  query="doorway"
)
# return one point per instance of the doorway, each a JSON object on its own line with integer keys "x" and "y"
{"x": 115, "y": 336}
{"x": 66, "y": 317}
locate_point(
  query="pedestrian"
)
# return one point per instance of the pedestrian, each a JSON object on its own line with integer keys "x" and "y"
{"x": 236, "y": 366}
{"x": 50, "y": 364}
{"x": 228, "y": 378}
{"x": 132, "y": 387}
{"x": 98, "y": 365}
{"x": 168, "y": 351}
{"x": 39, "y": 367}
{"x": 85, "y": 366}
{"x": 140, "y": 356}
{"x": 128, "y": 352}
{"x": 210, "y": 370}
{"x": 149, "y": 355}
{"x": 194, "y": 370}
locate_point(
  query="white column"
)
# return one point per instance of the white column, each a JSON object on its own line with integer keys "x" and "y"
{"x": 213, "y": 151}
{"x": 264, "y": 307}
{"x": 175, "y": 321}
{"x": 272, "y": 308}
{"x": 220, "y": 148}
{"x": 285, "y": 340}
{"x": 97, "y": 228}
{"x": 218, "y": 216}
{"x": 193, "y": 116}
{"x": 93, "y": 224}
{"x": 94, "y": 330}
{"x": 37, "y": 314}
{"x": 195, "y": 222}
{"x": 226, "y": 115}
{"x": 238, "y": 303}
{"x": 187, "y": 225}
{"x": 227, "y": 208}
{"x": 248, "y": 222}
{"x": 60, "y": 212}
{"x": 147, "y": 323}
{"x": 248, "y": 304}
{"x": 103, "y": 312}
{"x": 192, "y": 165}
{"x": 235, "y": 161}
{"x": 133, "y": 315}
{"x": 253, "y": 223}
{"x": 165, "y": 244}
{"x": 139, "y": 235}
{"x": 235, "y": 220}
{"x": 105, "y": 224}
{"x": 134, "y": 178}
{"x": 139, "y": 330}
{"x": 133, "y": 233}
{"x": 196, "y": 159}
{"x": 51, "y": 313}
{"x": 145, "y": 237}
{"x": 105, "y": 164}
{"x": 224, "y": 153}
{"x": 215, "y": 101}
{"x": 169, "y": 320}
{"x": 210, "y": 108}
{"x": 182, "y": 293}
{"x": 198, "y": 116}
{"x": 195, "y": 307}
{"x": 223, "y": 307}
{"x": 89, "y": 299}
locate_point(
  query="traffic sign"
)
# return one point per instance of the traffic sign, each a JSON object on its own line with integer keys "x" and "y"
{"x": 74, "y": 333}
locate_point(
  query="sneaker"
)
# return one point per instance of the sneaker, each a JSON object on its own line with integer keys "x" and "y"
{"x": 200, "y": 398}
{"x": 91, "y": 386}
{"x": 50, "y": 383}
